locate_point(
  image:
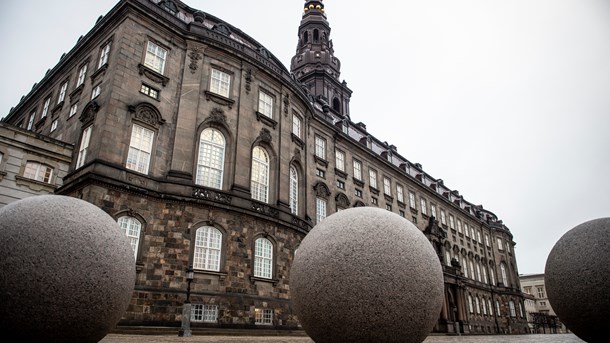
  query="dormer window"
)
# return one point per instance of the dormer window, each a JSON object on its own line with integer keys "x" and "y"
{"x": 169, "y": 6}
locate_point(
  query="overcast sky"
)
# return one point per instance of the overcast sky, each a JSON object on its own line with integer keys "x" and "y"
{"x": 507, "y": 101}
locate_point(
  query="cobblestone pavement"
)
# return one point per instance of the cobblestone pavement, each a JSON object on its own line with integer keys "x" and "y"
{"x": 116, "y": 338}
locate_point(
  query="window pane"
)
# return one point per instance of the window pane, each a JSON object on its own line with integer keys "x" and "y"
{"x": 210, "y": 163}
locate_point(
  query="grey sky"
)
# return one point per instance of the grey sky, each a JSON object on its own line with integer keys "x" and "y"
{"x": 507, "y": 101}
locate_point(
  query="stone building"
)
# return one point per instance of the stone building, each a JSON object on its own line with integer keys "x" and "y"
{"x": 209, "y": 152}
{"x": 541, "y": 316}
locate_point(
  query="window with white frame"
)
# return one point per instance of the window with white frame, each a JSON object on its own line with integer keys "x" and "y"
{"x": 466, "y": 230}
{"x": 31, "y": 120}
{"x": 296, "y": 125}
{"x": 507, "y": 246}
{"x": 131, "y": 228}
{"x": 82, "y": 74}
{"x": 443, "y": 218}
{"x": 155, "y": 57}
{"x": 373, "y": 178}
{"x": 412, "y": 200}
{"x": 340, "y": 184}
{"x": 73, "y": 110}
{"x": 511, "y": 306}
{"x": 478, "y": 305}
{"x": 140, "y": 149}
{"x": 484, "y": 306}
{"x": 487, "y": 240}
{"x": 504, "y": 276}
{"x": 208, "y": 243}
{"x": 500, "y": 245}
{"x": 45, "y": 107}
{"x": 263, "y": 316}
{"x": 320, "y": 210}
{"x": 259, "y": 181}
{"x": 340, "y": 160}
{"x": 62, "y": 92}
{"x": 540, "y": 291}
{"x": 459, "y": 226}
{"x": 38, "y": 171}
{"x": 294, "y": 191}
{"x": 472, "y": 274}
{"x": 83, "y": 148}
{"x": 433, "y": 210}
{"x": 210, "y": 160}
{"x": 220, "y": 82}
{"x": 151, "y": 92}
{"x": 320, "y": 147}
{"x": 491, "y": 311}
{"x": 422, "y": 203}
{"x": 374, "y": 201}
{"x": 492, "y": 276}
{"x": 472, "y": 233}
{"x": 358, "y": 193}
{"x": 470, "y": 305}
{"x": 263, "y": 258}
{"x": 447, "y": 257}
{"x": 96, "y": 92}
{"x": 400, "y": 194}
{"x": 498, "y": 308}
{"x": 451, "y": 221}
{"x": 479, "y": 272}
{"x": 104, "y": 53}
{"x": 479, "y": 237}
{"x": 357, "y": 169}
{"x": 387, "y": 186}
{"x": 265, "y": 104}
{"x": 485, "y": 274}
{"x": 204, "y": 313}
{"x": 54, "y": 125}
{"x": 465, "y": 268}
{"x": 520, "y": 310}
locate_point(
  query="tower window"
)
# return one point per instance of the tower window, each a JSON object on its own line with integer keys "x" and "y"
{"x": 336, "y": 105}
{"x": 316, "y": 35}
{"x": 306, "y": 37}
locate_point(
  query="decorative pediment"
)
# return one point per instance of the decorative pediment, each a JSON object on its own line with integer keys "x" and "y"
{"x": 89, "y": 112}
{"x": 147, "y": 113}
{"x": 342, "y": 200}
{"x": 265, "y": 136}
{"x": 359, "y": 204}
{"x": 217, "y": 116}
{"x": 321, "y": 189}
{"x": 153, "y": 75}
{"x": 222, "y": 29}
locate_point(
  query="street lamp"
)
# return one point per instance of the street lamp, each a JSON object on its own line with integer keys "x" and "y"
{"x": 185, "y": 329}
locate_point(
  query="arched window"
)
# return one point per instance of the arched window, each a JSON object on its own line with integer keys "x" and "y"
{"x": 511, "y": 306}
{"x": 491, "y": 312}
{"x": 263, "y": 258}
{"x": 337, "y": 105}
{"x": 484, "y": 306}
{"x": 472, "y": 274}
{"x": 465, "y": 266}
{"x": 448, "y": 257}
{"x": 470, "y": 306}
{"x": 294, "y": 191}
{"x": 259, "y": 182}
{"x": 478, "y": 305}
{"x": 492, "y": 276}
{"x": 316, "y": 35}
{"x": 305, "y": 37}
{"x": 498, "y": 308}
{"x": 479, "y": 273}
{"x": 132, "y": 228}
{"x": 485, "y": 274}
{"x": 208, "y": 243}
{"x": 520, "y": 313}
{"x": 504, "y": 277}
{"x": 210, "y": 162}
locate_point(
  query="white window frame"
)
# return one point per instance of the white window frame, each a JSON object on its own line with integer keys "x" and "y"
{"x": 451, "y": 221}
{"x": 433, "y": 210}
{"x": 296, "y": 125}
{"x": 208, "y": 249}
{"x": 443, "y": 217}
{"x": 220, "y": 82}
{"x": 294, "y": 191}
{"x": 265, "y": 104}
{"x": 62, "y": 92}
{"x": 504, "y": 275}
{"x": 204, "y": 313}
{"x": 340, "y": 160}
{"x": 96, "y": 92}
{"x": 263, "y": 316}
{"x": 31, "y": 120}
{"x": 259, "y": 180}
{"x": 83, "y": 148}
{"x": 320, "y": 210}
{"x": 45, "y": 107}
{"x": 263, "y": 258}
{"x": 387, "y": 186}
{"x": 132, "y": 228}
{"x": 424, "y": 210}
{"x": 492, "y": 276}
{"x": 459, "y": 226}
{"x": 357, "y": 169}
{"x": 37, "y": 171}
{"x": 412, "y": 200}
{"x": 82, "y": 74}
{"x": 140, "y": 149}
{"x": 155, "y": 57}
{"x": 104, "y": 53}
{"x": 373, "y": 178}
{"x": 470, "y": 305}
{"x": 320, "y": 150}
{"x": 73, "y": 110}
{"x": 211, "y": 158}
{"x": 500, "y": 245}
{"x": 54, "y": 125}
{"x": 511, "y": 306}
{"x": 400, "y": 193}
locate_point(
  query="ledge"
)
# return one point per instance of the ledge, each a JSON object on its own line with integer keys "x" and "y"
{"x": 374, "y": 190}
{"x": 254, "y": 279}
{"x": 153, "y": 75}
{"x": 357, "y": 182}
{"x": 219, "y": 99}
{"x": 340, "y": 173}
{"x": 100, "y": 71}
{"x": 320, "y": 161}
{"x": 297, "y": 140}
{"x": 266, "y": 120}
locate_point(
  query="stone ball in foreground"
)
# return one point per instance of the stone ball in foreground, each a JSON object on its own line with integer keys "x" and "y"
{"x": 366, "y": 275}
{"x": 577, "y": 279}
{"x": 67, "y": 271}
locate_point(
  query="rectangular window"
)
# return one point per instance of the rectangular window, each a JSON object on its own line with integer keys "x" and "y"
{"x": 472, "y": 233}
{"x": 433, "y": 210}
{"x": 388, "y": 207}
{"x": 374, "y": 201}
{"x": 400, "y": 194}
{"x": 414, "y": 219}
{"x": 451, "y": 221}
{"x": 487, "y": 240}
{"x": 45, "y": 107}
{"x": 84, "y": 147}
{"x": 401, "y": 213}
{"x": 151, "y": 92}
{"x": 424, "y": 211}
{"x": 340, "y": 160}
{"x": 373, "y": 178}
{"x": 466, "y": 230}
{"x": 500, "y": 245}
{"x": 82, "y": 73}
{"x": 358, "y": 193}
{"x": 265, "y": 104}
{"x": 31, "y": 120}
{"x": 140, "y": 148}
{"x": 320, "y": 147}
{"x": 264, "y": 316}
{"x": 54, "y": 125}
{"x": 296, "y": 125}
{"x": 459, "y": 226}
{"x": 321, "y": 173}
{"x": 73, "y": 110}
{"x": 412, "y": 200}
{"x": 357, "y": 170}
{"x": 320, "y": 210}
{"x": 387, "y": 186}
{"x": 204, "y": 313}
{"x": 62, "y": 92}
{"x": 220, "y": 83}
{"x": 340, "y": 184}
{"x": 38, "y": 172}
{"x": 443, "y": 217}
{"x": 479, "y": 237}
{"x": 95, "y": 92}
{"x": 155, "y": 57}
{"x": 104, "y": 55}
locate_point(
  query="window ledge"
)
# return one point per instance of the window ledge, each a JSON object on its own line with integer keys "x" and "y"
{"x": 100, "y": 71}
{"x": 221, "y": 275}
{"x": 33, "y": 184}
{"x": 400, "y": 204}
{"x": 254, "y": 279}
{"x": 340, "y": 173}
{"x": 153, "y": 75}
{"x": 413, "y": 210}
{"x": 388, "y": 198}
{"x": 266, "y": 120}
{"x": 374, "y": 190}
{"x": 320, "y": 161}
{"x": 57, "y": 108}
{"x": 358, "y": 183}
{"x": 219, "y": 99}
{"x": 297, "y": 140}
{"x": 76, "y": 92}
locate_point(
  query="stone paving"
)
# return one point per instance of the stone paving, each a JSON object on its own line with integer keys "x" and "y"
{"x": 117, "y": 338}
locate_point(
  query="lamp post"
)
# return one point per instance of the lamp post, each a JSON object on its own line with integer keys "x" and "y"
{"x": 185, "y": 329}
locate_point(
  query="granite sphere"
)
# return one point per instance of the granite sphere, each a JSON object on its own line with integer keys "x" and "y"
{"x": 67, "y": 270}
{"x": 366, "y": 275}
{"x": 577, "y": 279}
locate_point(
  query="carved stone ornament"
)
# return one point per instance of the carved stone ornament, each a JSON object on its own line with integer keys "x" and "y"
{"x": 342, "y": 200}
{"x": 321, "y": 189}
{"x": 89, "y": 112}
{"x": 265, "y": 209}
{"x": 153, "y": 75}
{"x": 263, "y": 52}
{"x": 265, "y": 135}
{"x": 147, "y": 114}
{"x": 222, "y": 29}
{"x": 216, "y": 116}
{"x": 208, "y": 194}
{"x": 248, "y": 77}
{"x": 286, "y": 103}
{"x": 195, "y": 57}
{"x": 199, "y": 17}
{"x": 297, "y": 154}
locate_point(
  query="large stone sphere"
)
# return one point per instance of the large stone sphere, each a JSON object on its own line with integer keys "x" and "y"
{"x": 67, "y": 271}
{"x": 366, "y": 275}
{"x": 577, "y": 279}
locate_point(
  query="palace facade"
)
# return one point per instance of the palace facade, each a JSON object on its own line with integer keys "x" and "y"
{"x": 209, "y": 152}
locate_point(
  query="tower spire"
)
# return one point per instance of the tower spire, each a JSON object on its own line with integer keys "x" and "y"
{"x": 315, "y": 64}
